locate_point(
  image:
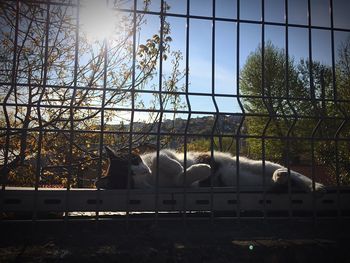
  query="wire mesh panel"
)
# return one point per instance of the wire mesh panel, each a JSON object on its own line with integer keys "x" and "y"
{"x": 96, "y": 88}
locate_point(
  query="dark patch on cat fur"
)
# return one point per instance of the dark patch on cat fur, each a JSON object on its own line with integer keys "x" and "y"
{"x": 118, "y": 170}
{"x": 206, "y": 159}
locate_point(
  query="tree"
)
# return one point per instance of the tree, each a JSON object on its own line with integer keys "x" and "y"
{"x": 335, "y": 155}
{"x": 59, "y": 89}
{"x": 269, "y": 99}
{"x": 303, "y": 107}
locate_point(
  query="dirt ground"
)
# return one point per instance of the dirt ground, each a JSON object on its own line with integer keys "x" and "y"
{"x": 170, "y": 241}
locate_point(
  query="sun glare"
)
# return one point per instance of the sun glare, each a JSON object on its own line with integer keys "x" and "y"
{"x": 98, "y": 21}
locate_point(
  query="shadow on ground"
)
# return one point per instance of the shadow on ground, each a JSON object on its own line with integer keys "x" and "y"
{"x": 115, "y": 241}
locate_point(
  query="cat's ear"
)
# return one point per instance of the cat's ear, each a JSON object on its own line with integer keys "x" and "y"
{"x": 110, "y": 152}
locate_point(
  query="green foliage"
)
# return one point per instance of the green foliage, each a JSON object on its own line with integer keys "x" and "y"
{"x": 204, "y": 145}
{"x": 269, "y": 99}
{"x": 74, "y": 92}
{"x": 302, "y": 107}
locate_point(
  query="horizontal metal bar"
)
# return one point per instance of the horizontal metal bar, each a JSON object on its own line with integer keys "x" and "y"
{"x": 251, "y": 199}
{"x": 165, "y": 92}
{"x": 98, "y": 108}
{"x": 228, "y": 135}
{"x": 216, "y": 18}
{"x": 48, "y": 2}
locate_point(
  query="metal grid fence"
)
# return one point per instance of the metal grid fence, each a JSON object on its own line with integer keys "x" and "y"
{"x": 65, "y": 96}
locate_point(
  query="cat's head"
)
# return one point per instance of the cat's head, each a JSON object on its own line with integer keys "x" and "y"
{"x": 117, "y": 173}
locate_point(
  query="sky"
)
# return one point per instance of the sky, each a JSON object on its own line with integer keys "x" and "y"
{"x": 200, "y": 40}
{"x": 200, "y": 47}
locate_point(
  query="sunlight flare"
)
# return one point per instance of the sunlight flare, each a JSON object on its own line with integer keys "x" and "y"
{"x": 98, "y": 20}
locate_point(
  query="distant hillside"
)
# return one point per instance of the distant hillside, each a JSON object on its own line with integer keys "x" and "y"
{"x": 226, "y": 124}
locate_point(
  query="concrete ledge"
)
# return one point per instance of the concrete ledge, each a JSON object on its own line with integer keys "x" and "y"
{"x": 336, "y": 202}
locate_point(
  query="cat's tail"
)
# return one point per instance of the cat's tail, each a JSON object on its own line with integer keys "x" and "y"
{"x": 299, "y": 181}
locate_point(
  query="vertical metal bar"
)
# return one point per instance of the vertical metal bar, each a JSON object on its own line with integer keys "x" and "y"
{"x": 212, "y": 142}
{"x": 286, "y": 40}
{"x": 335, "y": 98}
{"x": 263, "y": 142}
{"x": 71, "y": 111}
{"x": 40, "y": 138}
{"x": 289, "y": 104}
{"x": 238, "y": 133}
{"x": 7, "y": 119}
{"x": 337, "y": 168}
{"x": 162, "y": 17}
{"x": 102, "y": 121}
{"x": 132, "y": 113}
{"x": 335, "y": 93}
{"x": 312, "y": 97}
{"x": 287, "y": 158}
{"x": 313, "y": 171}
{"x": 13, "y": 87}
{"x": 184, "y": 214}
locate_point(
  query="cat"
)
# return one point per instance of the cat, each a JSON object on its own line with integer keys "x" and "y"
{"x": 201, "y": 171}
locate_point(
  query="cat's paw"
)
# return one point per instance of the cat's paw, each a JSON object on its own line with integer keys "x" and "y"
{"x": 320, "y": 189}
{"x": 168, "y": 165}
{"x": 280, "y": 176}
{"x": 194, "y": 173}
{"x": 200, "y": 170}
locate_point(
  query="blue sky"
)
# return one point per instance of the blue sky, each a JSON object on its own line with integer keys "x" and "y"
{"x": 200, "y": 47}
{"x": 200, "y": 51}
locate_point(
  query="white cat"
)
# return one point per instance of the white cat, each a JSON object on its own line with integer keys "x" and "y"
{"x": 201, "y": 171}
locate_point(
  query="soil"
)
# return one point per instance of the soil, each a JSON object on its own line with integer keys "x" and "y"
{"x": 174, "y": 241}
